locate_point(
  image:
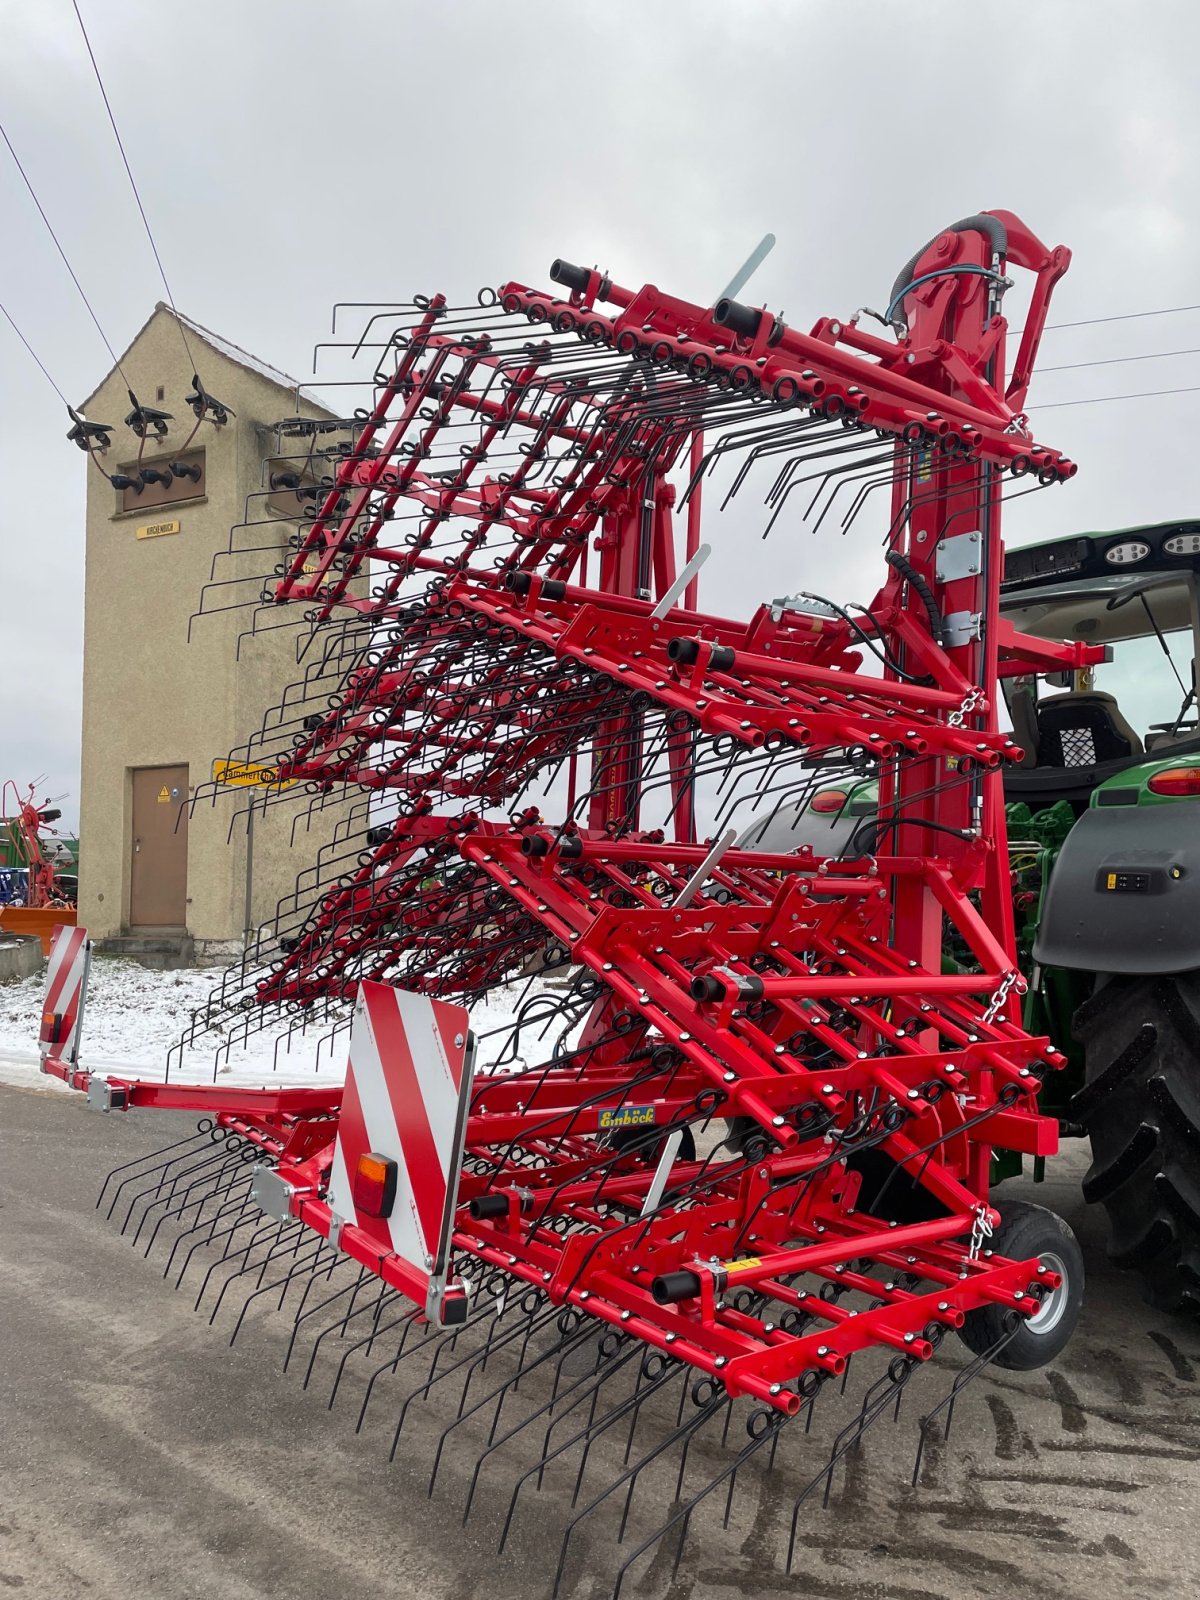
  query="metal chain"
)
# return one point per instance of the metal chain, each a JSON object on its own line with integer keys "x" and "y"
{"x": 970, "y": 703}
{"x": 981, "y": 1229}
{"x": 1007, "y": 984}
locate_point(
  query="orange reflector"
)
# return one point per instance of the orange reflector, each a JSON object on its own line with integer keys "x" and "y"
{"x": 52, "y": 1025}
{"x": 1176, "y": 780}
{"x": 374, "y": 1185}
{"x": 829, "y": 800}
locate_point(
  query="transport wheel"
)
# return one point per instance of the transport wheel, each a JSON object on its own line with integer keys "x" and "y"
{"x": 1141, "y": 1107}
{"x": 1027, "y": 1230}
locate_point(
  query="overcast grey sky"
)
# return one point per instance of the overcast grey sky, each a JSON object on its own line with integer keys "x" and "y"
{"x": 293, "y": 154}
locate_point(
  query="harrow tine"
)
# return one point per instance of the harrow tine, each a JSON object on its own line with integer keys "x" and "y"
{"x": 266, "y": 1237}
{"x": 568, "y": 1341}
{"x": 236, "y": 1205}
{"x": 278, "y": 1241}
{"x": 251, "y": 1217}
{"x": 393, "y": 1363}
{"x": 213, "y": 1187}
{"x": 876, "y": 1401}
{"x": 195, "y": 1140}
{"x": 534, "y": 1324}
{"x": 242, "y": 1210}
{"x": 369, "y": 1339}
{"x": 302, "y": 1315}
{"x": 159, "y": 1171}
{"x": 587, "y": 1433}
{"x": 590, "y": 1383}
{"x": 339, "y": 1327}
{"x": 308, "y": 1262}
{"x": 771, "y": 1431}
{"x": 967, "y": 1375}
{"x": 686, "y": 1431}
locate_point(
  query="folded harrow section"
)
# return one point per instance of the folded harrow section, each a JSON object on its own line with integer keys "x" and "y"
{"x": 739, "y": 1124}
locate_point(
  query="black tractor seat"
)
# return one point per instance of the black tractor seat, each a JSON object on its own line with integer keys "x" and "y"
{"x": 1082, "y": 729}
{"x": 1042, "y": 786}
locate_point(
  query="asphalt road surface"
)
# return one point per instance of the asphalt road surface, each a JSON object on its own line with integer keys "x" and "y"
{"x": 142, "y": 1456}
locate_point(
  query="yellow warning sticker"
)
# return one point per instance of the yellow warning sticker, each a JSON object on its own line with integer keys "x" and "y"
{"x": 164, "y": 796}
{"x": 1112, "y": 881}
{"x": 743, "y": 1264}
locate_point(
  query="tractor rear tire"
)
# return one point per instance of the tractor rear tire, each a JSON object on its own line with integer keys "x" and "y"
{"x": 1141, "y": 1107}
{"x": 1027, "y": 1230}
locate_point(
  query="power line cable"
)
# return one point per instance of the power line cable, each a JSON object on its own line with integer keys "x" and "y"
{"x": 5, "y": 313}
{"x": 1116, "y": 361}
{"x": 1105, "y": 399}
{"x": 83, "y": 433}
{"x": 1125, "y": 316}
{"x": 58, "y": 246}
{"x": 133, "y": 185}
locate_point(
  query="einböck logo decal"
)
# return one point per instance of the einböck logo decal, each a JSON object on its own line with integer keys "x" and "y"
{"x": 627, "y": 1117}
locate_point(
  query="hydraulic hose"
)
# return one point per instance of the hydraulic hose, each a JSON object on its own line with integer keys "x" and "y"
{"x": 907, "y": 571}
{"x": 981, "y": 222}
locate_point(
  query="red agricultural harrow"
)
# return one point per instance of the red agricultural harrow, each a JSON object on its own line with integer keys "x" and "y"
{"x": 734, "y": 1132}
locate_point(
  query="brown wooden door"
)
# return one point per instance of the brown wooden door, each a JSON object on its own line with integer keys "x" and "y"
{"x": 158, "y": 871}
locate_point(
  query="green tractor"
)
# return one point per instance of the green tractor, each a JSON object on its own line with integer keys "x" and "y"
{"x": 1104, "y": 841}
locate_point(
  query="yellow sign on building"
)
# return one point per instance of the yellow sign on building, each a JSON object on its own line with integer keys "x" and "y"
{"x": 247, "y": 775}
{"x": 155, "y": 530}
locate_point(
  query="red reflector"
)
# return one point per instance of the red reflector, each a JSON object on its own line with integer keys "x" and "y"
{"x": 1176, "y": 780}
{"x": 52, "y": 1026}
{"x": 829, "y": 800}
{"x": 374, "y": 1185}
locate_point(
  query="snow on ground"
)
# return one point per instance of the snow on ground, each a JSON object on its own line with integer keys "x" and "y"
{"x": 135, "y": 1016}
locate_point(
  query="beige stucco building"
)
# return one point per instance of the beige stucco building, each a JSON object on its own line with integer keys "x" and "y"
{"x": 159, "y": 707}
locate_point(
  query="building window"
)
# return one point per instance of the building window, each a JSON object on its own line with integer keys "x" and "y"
{"x": 145, "y": 494}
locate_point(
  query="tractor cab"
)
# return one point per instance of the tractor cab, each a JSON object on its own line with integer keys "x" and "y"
{"x": 1137, "y": 592}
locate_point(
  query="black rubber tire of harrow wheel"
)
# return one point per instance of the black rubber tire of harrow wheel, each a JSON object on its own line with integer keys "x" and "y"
{"x": 1141, "y": 1108}
{"x": 1027, "y": 1230}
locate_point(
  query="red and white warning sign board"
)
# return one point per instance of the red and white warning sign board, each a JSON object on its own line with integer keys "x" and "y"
{"x": 66, "y": 990}
{"x": 408, "y": 1089}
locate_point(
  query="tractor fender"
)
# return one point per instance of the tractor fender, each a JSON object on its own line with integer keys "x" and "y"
{"x": 1124, "y": 894}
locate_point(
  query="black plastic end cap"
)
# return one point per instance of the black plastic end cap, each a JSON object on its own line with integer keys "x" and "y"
{"x": 570, "y": 276}
{"x": 454, "y": 1310}
{"x": 707, "y": 989}
{"x": 740, "y": 319}
{"x": 488, "y": 1205}
{"x": 683, "y": 651}
{"x": 671, "y": 1287}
